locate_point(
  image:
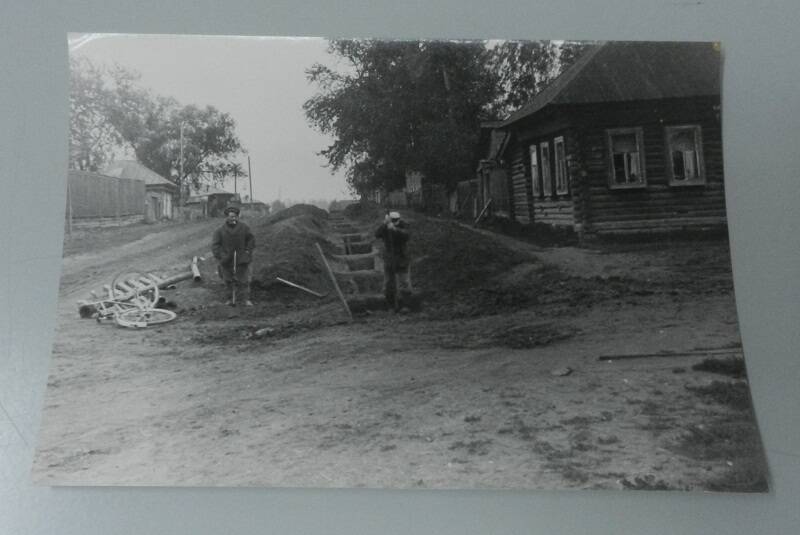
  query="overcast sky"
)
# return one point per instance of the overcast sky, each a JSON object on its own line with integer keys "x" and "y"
{"x": 260, "y": 82}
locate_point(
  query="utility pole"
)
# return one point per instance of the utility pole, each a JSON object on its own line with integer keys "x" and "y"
{"x": 69, "y": 206}
{"x": 250, "y": 176}
{"x": 180, "y": 176}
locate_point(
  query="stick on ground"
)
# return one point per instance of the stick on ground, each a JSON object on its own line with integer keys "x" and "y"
{"x": 294, "y": 285}
{"x": 335, "y": 284}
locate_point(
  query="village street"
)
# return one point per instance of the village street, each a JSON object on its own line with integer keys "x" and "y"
{"x": 518, "y": 382}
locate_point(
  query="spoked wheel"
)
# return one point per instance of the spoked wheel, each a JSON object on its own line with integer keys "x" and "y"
{"x": 138, "y": 319}
{"x": 135, "y": 287}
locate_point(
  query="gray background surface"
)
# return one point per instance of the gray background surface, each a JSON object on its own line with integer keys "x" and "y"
{"x": 761, "y": 116}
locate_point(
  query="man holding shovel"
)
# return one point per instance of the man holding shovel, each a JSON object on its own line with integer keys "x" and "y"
{"x": 232, "y": 246}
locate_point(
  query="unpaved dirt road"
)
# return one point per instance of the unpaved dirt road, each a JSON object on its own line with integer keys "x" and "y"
{"x": 402, "y": 401}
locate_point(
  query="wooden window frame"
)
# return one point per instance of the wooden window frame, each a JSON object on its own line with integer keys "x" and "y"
{"x": 638, "y": 131}
{"x": 700, "y": 180}
{"x": 544, "y": 166}
{"x": 562, "y": 175}
{"x": 533, "y": 159}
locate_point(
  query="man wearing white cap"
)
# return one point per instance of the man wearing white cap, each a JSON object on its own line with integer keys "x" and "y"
{"x": 396, "y": 265}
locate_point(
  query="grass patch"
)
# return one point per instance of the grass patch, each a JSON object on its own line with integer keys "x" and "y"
{"x": 475, "y": 447}
{"x": 648, "y": 482}
{"x": 722, "y": 439}
{"x": 731, "y": 366}
{"x": 737, "y": 443}
{"x": 537, "y": 233}
{"x": 749, "y": 475}
{"x": 528, "y": 336}
{"x": 735, "y": 395}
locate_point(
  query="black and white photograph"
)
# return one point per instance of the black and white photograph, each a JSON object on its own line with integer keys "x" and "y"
{"x": 396, "y": 264}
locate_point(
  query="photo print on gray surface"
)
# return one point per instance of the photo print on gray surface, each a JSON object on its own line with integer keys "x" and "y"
{"x": 300, "y": 262}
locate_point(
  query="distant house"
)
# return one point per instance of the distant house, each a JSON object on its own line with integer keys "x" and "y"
{"x": 95, "y": 200}
{"x": 211, "y": 201}
{"x": 160, "y": 191}
{"x": 628, "y": 139}
{"x": 422, "y": 194}
{"x": 412, "y": 189}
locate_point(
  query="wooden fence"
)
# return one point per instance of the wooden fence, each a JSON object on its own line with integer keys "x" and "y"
{"x": 96, "y": 197}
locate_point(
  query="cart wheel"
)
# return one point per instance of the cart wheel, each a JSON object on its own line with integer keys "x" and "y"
{"x": 146, "y": 296}
{"x": 138, "y": 319}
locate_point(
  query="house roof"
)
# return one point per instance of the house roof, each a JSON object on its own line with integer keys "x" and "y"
{"x": 492, "y": 139}
{"x": 135, "y": 170}
{"x": 206, "y": 189}
{"x": 621, "y": 71}
{"x": 77, "y": 172}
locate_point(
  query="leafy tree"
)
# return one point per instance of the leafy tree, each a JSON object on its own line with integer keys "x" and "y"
{"x": 222, "y": 170}
{"x": 417, "y": 106}
{"x": 92, "y": 137}
{"x": 401, "y": 106}
{"x": 526, "y": 67}
{"x": 109, "y": 110}
{"x": 209, "y": 140}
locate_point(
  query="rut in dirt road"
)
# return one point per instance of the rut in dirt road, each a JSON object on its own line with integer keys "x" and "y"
{"x": 171, "y": 248}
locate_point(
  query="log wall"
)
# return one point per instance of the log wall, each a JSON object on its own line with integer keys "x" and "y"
{"x": 660, "y": 206}
{"x": 592, "y": 206}
{"x": 555, "y": 209}
{"x": 520, "y": 185}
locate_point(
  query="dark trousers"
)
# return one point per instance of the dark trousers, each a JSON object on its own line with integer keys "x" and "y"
{"x": 240, "y": 280}
{"x": 396, "y": 278}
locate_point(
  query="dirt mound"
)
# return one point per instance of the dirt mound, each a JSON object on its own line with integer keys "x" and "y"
{"x": 295, "y": 210}
{"x": 364, "y": 211}
{"x": 285, "y": 248}
{"x": 462, "y": 273}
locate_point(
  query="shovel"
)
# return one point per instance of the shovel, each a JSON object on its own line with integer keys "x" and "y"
{"x": 235, "y": 282}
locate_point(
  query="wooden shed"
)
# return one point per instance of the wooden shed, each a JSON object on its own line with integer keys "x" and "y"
{"x": 493, "y": 191}
{"x": 627, "y": 140}
{"x": 160, "y": 191}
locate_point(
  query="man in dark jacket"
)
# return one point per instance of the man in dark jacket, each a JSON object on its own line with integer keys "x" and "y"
{"x": 232, "y": 246}
{"x": 396, "y": 265}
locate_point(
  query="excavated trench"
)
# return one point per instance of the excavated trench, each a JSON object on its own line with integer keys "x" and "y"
{"x": 358, "y": 268}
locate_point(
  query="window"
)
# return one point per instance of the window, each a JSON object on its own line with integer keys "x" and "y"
{"x": 684, "y": 155}
{"x": 562, "y": 183}
{"x": 547, "y": 185}
{"x": 537, "y": 189}
{"x": 626, "y": 158}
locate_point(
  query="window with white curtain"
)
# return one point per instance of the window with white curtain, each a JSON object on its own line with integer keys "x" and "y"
{"x": 537, "y": 188}
{"x": 684, "y": 155}
{"x": 547, "y": 185}
{"x": 562, "y": 182}
{"x": 626, "y": 158}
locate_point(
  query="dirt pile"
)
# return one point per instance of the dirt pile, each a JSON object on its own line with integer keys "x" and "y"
{"x": 461, "y": 273}
{"x": 285, "y": 248}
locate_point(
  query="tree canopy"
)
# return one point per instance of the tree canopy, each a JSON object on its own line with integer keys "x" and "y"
{"x": 524, "y": 68}
{"x": 401, "y": 106}
{"x": 110, "y": 111}
{"x": 416, "y": 106}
